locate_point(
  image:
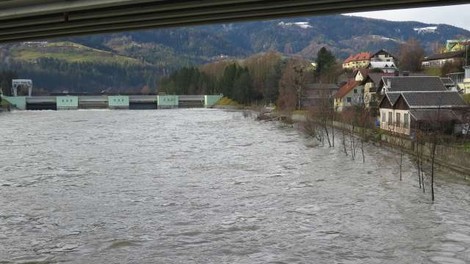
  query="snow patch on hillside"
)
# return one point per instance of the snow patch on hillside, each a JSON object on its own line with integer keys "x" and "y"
{"x": 425, "y": 30}
{"x": 304, "y": 25}
{"x": 377, "y": 38}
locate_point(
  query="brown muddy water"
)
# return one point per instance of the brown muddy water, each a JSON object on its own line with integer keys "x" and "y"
{"x": 211, "y": 186}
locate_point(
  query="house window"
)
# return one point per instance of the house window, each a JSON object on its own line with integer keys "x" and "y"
{"x": 398, "y": 119}
{"x": 406, "y": 123}
{"x": 383, "y": 117}
{"x": 355, "y": 91}
{"x": 348, "y": 99}
{"x": 390, "y": 118}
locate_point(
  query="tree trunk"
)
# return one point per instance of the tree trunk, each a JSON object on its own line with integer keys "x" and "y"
{"x": 401, "y": 162}
{"x": 418, "y": 161}
{"x": 433, "y": 156}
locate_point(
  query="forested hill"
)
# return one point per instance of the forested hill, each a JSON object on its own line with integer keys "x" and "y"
{"x": 132, "y": 60}
{"x": 343, "y": 34}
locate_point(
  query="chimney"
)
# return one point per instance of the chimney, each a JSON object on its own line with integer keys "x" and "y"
{"x": 467, "y": 72}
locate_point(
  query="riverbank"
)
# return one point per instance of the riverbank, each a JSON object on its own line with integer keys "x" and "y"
{"x": 446, "y": 157}
{"x": 4, "y": 106}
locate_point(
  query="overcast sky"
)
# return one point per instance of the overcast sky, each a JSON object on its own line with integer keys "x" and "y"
{"x": 457, "y": 15}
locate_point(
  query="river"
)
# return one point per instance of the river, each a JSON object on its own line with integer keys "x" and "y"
{"x": 211, "y": 186}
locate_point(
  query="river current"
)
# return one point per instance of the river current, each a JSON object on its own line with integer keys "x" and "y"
{"x": 211, "y": 186}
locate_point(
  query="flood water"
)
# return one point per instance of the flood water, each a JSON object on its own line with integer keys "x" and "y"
{"x": 210, "y": 186}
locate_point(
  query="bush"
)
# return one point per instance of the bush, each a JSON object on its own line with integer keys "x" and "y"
{"x": 466, "y": 97}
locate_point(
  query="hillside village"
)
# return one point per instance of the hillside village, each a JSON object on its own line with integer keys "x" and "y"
{"x": 402, "y": 101}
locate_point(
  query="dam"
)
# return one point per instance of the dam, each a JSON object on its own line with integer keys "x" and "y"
{"x": 71, "y": 102}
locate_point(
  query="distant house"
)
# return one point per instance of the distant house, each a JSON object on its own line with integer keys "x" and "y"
{"x": 466, "y": 81}
{"x": 457, "y": 44}
{"x": 384, "y": 66}
{"x": 357, "y": 61}
{"x": 364, "y": 60}
{"x": 371, "y": 84}
{"x": 349, "y": 94}
{"x": 366, "y": 82}
{"x": 403, "y": 112}
{"x": 387, "y": 111}
{"x": 383, "y": 56}
{"x": 318, "y": 94}
{"x": 438, "y": 60}
{"x": 461, "y": 80}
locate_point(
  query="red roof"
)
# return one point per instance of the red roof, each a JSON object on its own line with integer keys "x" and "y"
{"x": 346, "y": 88}
{"x": 359, "y": 57}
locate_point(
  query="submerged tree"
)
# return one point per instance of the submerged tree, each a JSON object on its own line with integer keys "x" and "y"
{"x": 323, "y": 115}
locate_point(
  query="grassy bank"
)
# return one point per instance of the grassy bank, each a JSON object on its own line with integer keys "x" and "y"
{"x": 227, "y": 103}
{"x": 4, "y": 105}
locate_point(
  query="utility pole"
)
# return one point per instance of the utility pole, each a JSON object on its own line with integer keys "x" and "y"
{"x": 466, "y": 53}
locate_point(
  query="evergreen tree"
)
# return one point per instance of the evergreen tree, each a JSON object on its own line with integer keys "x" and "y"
{"x": 326, "y": 64}
{"x": 5, "y": 81}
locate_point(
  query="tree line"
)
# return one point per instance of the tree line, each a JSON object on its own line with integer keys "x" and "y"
{"x": 253, "y": 79}
{"x": 5, "y": 81}
{"x": 266, "y": 78}
{"x": 54, "y": 75}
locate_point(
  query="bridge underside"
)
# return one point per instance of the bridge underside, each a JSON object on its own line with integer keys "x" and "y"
{"x": 22, "y": 20}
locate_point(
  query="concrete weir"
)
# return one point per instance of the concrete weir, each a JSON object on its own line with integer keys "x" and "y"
{"x": 67, "y": 102}
{"x": 70, "y": 102}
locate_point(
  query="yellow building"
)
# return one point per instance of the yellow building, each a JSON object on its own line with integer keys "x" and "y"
{"x": 457, "y": 44}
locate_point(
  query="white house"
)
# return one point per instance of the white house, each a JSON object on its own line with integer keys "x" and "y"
{"x": 438, "y": 60}
{"x": 349, "y": 94}
{"x": 402, "y": 112}
{"x": 386, "y": 67}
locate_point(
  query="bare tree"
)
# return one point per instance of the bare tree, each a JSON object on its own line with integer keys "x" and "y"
{"x": 292, "y": 83}
{"x": 322, "y": 113}
{"x": 400, "y": 142}
{"x": 410, "y": 56}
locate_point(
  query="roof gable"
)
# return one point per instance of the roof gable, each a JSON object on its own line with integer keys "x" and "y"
{"x": 382, "y": 51}
{"x": 389, "y": 100}
{"x": 360, "y": 74}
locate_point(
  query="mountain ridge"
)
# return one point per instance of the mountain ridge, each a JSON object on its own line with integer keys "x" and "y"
{"x": 163, "y": 50}
{"x": 290, "y": 36}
